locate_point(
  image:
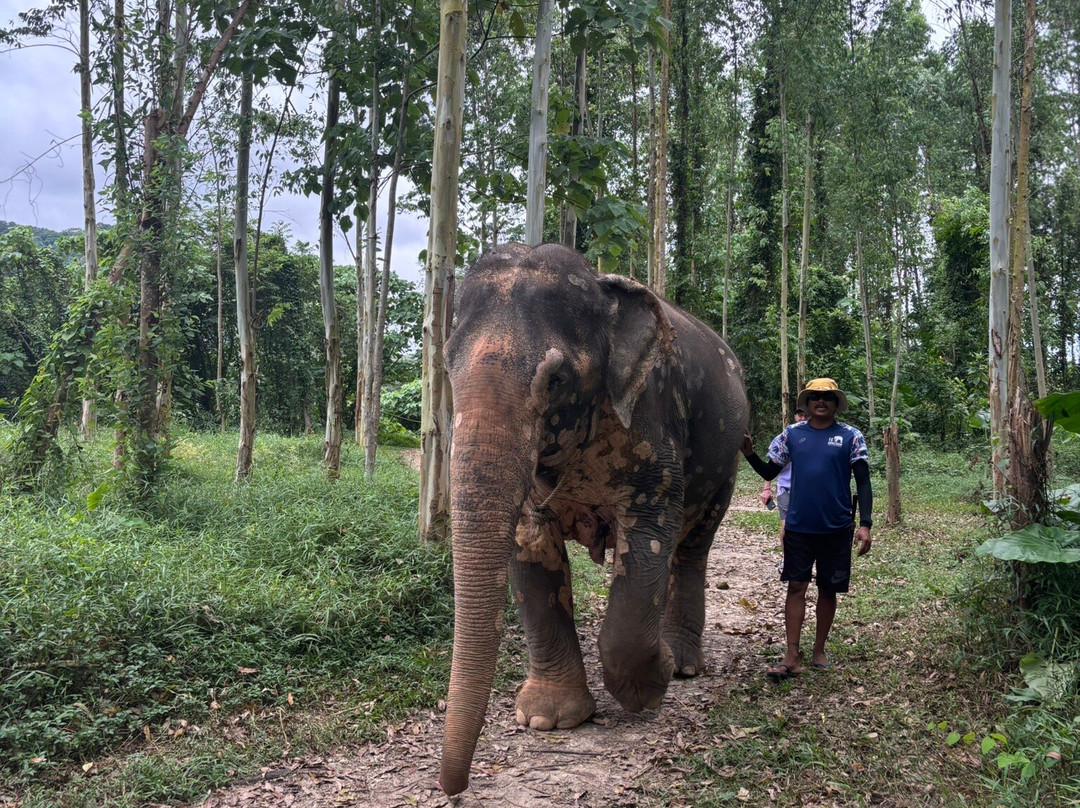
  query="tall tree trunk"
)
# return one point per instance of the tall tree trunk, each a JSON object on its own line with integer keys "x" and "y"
{"x": 538, "y": 132}
{"x": 730, "y": 219}
{"x": 219, "y": 238}
{"x": 220, "y": 378}
{"x": 864, "y": 300}
{"x": 1022, "y": 247}
{"x": 244, "y": 326}
{"x": 370, "y": 436}
{"x": 785, "y": 239}
{"x": 331, "y": 328}
{"x": 172, "y": 207}
{"x": 999, "y": 243}
{"x": 891, "y": 445}
{"x": 436, "y": 405}
{"x": 892, "y": 431}
{"x": 122, "y": 185}
{"x": 681, "y": 160}
{"x": 635, "y": 163}
{"x": 89, "y": 199}
{"x": 660, "y": 221}
{"x": 804, "y": 257}
{"x": 1036, "y": 331}
{"x": 361, "y": 354}
{"x": 391, "y": 217}
{"x": 157, "y": 176}
{"x": 1028, "y": 435}
{"x": 650, "y": 261}
{"x": 569, "y": 223}
{"x": 123, "y": 180}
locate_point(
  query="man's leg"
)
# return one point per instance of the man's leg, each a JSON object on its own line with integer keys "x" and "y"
{"x": 794, "y": 614}
{"x": 826, "y": 611}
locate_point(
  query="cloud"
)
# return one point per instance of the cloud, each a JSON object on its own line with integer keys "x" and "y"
{"x": 39, "y": 93}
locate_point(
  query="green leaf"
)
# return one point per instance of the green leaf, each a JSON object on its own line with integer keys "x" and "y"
{"x": 94, "y": 498}
{"x": 953, "y": 738}
{"x": 1050, "y": 680}
{"x": 1062, "y": 408}
{"x": 987, "y": 745}
{"x": 1035, "y": 544}
{"x": 517, "y": 25}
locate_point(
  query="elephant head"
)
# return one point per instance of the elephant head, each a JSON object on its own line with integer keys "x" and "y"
{"x": 541, "y": 343}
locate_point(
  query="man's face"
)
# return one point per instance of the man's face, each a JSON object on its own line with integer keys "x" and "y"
{"x": 800, "y": 416}
{"x": 822, "y": 406}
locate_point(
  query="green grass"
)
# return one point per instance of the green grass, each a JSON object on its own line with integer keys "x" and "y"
{"x": 212, "y": 604}
{"x": 149, "y": 654}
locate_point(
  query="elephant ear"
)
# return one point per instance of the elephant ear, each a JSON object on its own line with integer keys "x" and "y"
{"x": 640, "y": 338}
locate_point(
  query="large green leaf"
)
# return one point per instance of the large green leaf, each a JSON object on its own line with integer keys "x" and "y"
{"x": 1035, "y": 544}
{"x": 1062, "y": 408}
{"x": 1046, "y": 680}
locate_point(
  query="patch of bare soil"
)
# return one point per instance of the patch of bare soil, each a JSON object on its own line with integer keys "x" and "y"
{"x": 609, "y": 761}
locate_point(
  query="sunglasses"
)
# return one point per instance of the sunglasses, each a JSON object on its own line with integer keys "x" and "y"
{"x": 822, "y": 397}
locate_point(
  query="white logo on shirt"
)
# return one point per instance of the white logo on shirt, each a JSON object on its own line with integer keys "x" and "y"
{"x": 836, "y": 440}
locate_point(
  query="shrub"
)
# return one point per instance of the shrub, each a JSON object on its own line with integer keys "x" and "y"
{"x": 403, "y": 404}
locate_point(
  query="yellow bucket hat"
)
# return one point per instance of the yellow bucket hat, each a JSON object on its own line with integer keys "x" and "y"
{"x": 823, "y": 386}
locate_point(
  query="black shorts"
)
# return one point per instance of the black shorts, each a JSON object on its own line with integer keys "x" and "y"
{"x": 831, "y": 552}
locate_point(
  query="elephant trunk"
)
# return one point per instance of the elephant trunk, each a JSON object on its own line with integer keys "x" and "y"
{"x": 491, "y": 471}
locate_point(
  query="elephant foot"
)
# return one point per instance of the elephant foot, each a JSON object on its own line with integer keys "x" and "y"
{"x": 689, "y": 659}
{"x": 640, "y": 684}
{"x": 549, "y": 705}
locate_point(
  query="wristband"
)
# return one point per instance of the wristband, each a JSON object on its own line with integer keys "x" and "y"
{"x": 867, "y": 523}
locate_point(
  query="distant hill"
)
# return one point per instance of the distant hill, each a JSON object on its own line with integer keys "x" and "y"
{"x": 43, "y": 237}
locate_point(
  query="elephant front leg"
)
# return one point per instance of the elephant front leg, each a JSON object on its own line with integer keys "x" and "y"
{"x": 637, "y": 661}
{"x": 555, "y": 695}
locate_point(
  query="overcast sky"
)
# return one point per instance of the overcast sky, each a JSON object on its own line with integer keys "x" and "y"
{"x": 40, "y": 162}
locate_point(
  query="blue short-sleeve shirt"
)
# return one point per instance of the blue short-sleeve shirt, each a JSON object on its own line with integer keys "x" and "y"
{"x": 821, "y": 461}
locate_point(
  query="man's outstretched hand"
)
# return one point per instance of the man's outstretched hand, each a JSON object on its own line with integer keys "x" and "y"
{"x": 747, "y": 447}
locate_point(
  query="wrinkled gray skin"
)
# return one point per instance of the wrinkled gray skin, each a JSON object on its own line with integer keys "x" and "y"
{"x": 585, "y": 409}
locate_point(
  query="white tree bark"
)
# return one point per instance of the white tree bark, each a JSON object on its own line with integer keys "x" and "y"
{"x": 331, "y": 327}
{"x": 538, "y": 131}
{"x": 369, "y": 415}
{"x": 1000, "y": 158}
{"x": 785, "y": 239}
{"x": 570, "y": 218}
{"x": 436, "y": 406}
{"x": 731, "y": 187}
{"x": 89, "y": 202}
{"x": 804, "y": 258}
{"x": 864, "y": 300}
{"x": 244, "y": 325}
{"x": 660, "y": 221}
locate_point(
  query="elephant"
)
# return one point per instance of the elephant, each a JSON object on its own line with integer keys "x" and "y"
{"x": 588, "y": 409}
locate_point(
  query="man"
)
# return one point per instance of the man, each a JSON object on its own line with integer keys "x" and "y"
{"x": 824, "y": 455}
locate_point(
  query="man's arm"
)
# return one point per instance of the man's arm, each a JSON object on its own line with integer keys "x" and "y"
{"x": 861, "y": 471}
{"x": 767, "y": 469}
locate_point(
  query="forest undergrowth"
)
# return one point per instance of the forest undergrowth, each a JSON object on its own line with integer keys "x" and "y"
{"x": 149, "y": 654}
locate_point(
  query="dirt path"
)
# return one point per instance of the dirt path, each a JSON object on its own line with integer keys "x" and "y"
{"x": 609, "y": 761}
